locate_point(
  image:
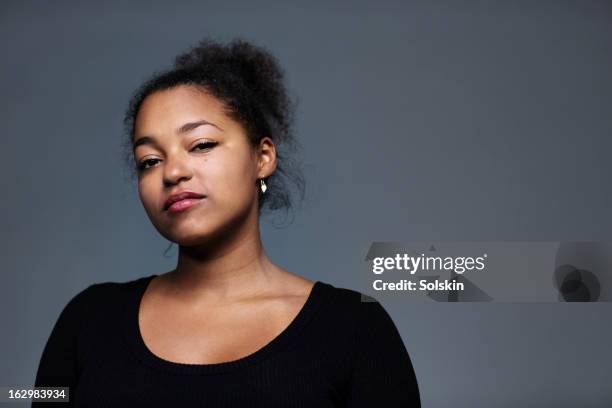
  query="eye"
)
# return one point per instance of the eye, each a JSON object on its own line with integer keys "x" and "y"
{"x": 204, "y": 145}
{"x": 144, "y": 165}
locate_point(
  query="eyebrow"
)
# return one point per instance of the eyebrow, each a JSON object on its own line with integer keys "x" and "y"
{"x": 146, "y": 140}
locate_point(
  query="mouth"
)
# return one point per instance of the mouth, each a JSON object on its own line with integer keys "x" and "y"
{"x": 181, "y": 201}
{"x": 184, "y": 204}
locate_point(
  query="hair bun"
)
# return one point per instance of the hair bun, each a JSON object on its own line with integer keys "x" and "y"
{"x": 256, "y": 66}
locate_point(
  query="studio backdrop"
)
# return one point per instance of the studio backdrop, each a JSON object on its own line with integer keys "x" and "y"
{"x": 421, "y": 123}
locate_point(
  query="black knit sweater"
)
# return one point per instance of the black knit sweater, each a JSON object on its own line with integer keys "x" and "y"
{"x": 341, "y": 350}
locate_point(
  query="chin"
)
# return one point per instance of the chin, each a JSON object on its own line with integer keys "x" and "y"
{"x": 189, "y": 241}
{"x": 193, "y": 234}
{"x": 186, "y": 237}
{"x": 197, "y": 230}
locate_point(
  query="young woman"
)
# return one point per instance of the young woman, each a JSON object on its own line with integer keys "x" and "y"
{"x": 227, "y": 327}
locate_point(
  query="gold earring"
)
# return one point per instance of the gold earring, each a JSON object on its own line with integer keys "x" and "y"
{"x": 263, "y": 186}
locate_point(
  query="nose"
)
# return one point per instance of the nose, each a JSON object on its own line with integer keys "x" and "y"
{"x": 176, "y": 169}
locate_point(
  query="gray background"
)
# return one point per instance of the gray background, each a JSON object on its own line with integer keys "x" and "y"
{"x": 419, "y": 121}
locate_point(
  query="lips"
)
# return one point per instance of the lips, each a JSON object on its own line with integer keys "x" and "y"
{"x": 184, "y": 195}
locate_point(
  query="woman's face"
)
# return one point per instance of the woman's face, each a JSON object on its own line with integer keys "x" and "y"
{"x": 184, "y": 141}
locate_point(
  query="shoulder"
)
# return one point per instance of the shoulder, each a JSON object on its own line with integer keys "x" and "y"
{"x": 381, "y": 370}
{"x": 360, "y": 309}
{"x": 102, "y": 294}
{"x": 365, "y": 322}
{"x": 350, "y": 298}
{"x": 107, "y": 288}
{"x": 373, "y": 327}
{"x": 96, "y": 305}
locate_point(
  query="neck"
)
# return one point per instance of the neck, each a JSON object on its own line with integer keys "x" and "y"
{"x": 227, "y": 267}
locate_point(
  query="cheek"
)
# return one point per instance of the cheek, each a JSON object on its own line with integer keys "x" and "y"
{"x": 230, "y": 180}
{"x": 148, "y": 197}
{"x": 230, "y": 189}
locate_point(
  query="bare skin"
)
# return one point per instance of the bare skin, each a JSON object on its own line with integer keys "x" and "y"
{"x": 225, "y": 299}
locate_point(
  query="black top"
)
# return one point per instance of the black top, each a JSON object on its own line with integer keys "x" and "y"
{"x": 341, "y": 350}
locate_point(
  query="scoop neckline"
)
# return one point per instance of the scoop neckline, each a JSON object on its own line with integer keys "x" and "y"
{"x": 273, "y": 346}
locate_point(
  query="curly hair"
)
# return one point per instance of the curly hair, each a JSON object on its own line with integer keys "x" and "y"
{"x": 248, "y": 80}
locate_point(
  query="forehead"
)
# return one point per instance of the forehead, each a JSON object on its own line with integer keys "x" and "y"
{"x": 170, "y": 108}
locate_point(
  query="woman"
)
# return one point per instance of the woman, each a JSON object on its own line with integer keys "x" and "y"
{"x": 227, "y": 327}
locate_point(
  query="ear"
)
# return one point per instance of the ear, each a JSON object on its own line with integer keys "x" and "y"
{"x": 266, "y": 158}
